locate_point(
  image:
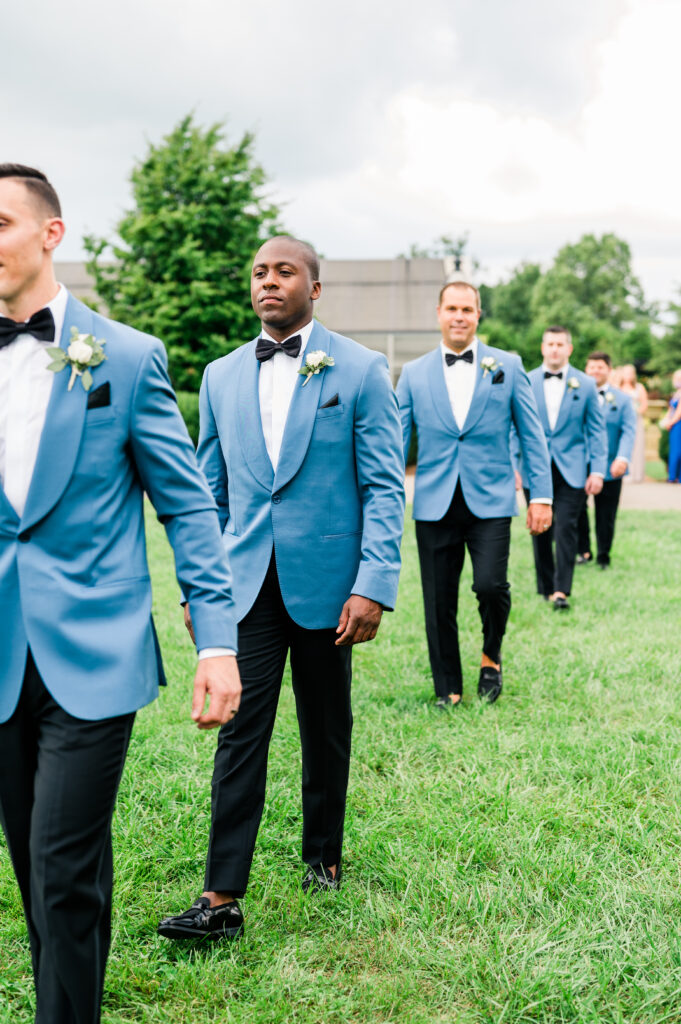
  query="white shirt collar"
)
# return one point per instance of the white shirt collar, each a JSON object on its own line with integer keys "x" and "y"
{"x": 58, "y": 309}
{"x": 304, "y": 333}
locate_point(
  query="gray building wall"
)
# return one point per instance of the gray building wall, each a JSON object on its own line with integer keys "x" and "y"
{"x": 387, "y": 305}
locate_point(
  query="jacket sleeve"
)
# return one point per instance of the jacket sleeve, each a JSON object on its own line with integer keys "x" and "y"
{"x": 379, "y": 464}
{"x": 165, "y": 460}
{"x": 627, "y": 437}
{"x": 596, "y": 434}
{"x": 527, "y": 437}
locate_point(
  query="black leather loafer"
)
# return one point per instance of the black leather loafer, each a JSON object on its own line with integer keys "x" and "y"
{"x": 490, "y": 684}
{"x": 319, "y": 879}
{"x": 202, "y": 921}
{"x": 561, "y": 604}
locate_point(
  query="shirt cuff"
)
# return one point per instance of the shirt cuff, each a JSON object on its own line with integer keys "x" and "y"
{"x": 216, "y": 652}
{"x": 601, "y": 475}
{"x": 541, "y": 501}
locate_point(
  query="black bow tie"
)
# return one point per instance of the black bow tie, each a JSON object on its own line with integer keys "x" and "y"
{"x": 41, "y": 326}
{"x": 602, "y": 391}
{"x": 265, "y": 348}
{"x": 548, "y": 375}
{"x": 450, "y": 358}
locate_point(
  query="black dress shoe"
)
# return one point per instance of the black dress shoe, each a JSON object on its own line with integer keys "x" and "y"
{"x": 319, "y": 879}
{"x": 490, "y": 684}
{"x": 561, "y": 604}
{"x": 202, "y": 921}
{"x": 586, "y": 559}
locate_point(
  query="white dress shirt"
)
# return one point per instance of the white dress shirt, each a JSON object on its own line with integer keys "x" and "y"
{"x": 25, "y": 389}
{"x": 276, "y": 382}
{"x": 554, "y": 389}
{"x": 460, "y": 381}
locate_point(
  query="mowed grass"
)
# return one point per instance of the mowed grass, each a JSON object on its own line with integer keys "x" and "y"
{"x": 513, "y": 863}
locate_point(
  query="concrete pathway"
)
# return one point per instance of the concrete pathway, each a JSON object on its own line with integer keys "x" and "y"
{"x": 650, "y": 496}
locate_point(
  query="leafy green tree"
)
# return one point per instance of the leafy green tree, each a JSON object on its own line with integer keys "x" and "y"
{"x": 667, "y": 349}
{"x": 590, "y": 286}
{"x": 512, "y": 300}
{"x": 180, "y": 269}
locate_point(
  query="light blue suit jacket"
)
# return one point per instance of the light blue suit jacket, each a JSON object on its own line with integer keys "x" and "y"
{"x": 334, "y": 509}
{"x": 479, "y": 454}
{"x": 578, "y": 437}
{"x": 620, "y": 423}
{"x": 74, "y": 583}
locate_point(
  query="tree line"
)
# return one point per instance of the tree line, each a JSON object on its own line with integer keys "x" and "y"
{"x": 178, "y": 268}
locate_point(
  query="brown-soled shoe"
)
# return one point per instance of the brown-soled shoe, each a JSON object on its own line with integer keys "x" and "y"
{"x": 202, "y": 921}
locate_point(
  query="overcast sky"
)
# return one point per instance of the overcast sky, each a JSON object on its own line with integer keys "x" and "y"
{"x": 525, "y": 122}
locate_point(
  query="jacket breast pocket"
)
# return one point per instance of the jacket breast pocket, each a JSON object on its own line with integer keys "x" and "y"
{"x": 330, "y": 425}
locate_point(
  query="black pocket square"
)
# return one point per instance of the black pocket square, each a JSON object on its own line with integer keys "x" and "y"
{"x": 498, "y": 377}
{"x": 100, "y": 397}
{"x": 331, "y": 402}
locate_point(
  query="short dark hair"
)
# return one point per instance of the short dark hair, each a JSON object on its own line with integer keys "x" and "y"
{"x": 36, "y": 183}
{"x": 458, "y": 284}
{"x": 557, "y": 329}
{"x": 603, "y": 356}
{"x": 308, "y": 253}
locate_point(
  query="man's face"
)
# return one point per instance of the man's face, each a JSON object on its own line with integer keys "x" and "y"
{"x": 458, "y": 316}
{"x": 282, "y": 289}
{"x": 599, "y": 370}
{"x": 555, "y": 350}
{"x": 25, "y": 239}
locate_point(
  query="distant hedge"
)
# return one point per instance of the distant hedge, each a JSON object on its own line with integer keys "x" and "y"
{"x": 188, "y": 402}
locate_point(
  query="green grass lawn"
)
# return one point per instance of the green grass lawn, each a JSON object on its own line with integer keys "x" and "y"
{"x": 513, "y": 863}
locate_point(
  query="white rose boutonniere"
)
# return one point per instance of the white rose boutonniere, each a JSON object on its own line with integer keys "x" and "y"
{"x": 610, "y": 399}
{"x": 489, "y": 365}
{"x": 314, "y": 363}
{"x": 572, "y": 383}
{"x": 82, "y": 355}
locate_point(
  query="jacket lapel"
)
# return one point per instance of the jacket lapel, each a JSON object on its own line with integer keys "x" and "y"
{"x": 568, "y": 398}
{"x": 538, "y": 388}
{"x": 483, "y": 383}
{"x": 302, "y": 411}
{"x": 249, "y": 423}
{"x": 438, "y": 390}
{"x": 64, "y": 421}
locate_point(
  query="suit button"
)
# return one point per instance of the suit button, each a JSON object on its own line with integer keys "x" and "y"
{"x": 276, "y": 498}
{"x": 462, "y": 438}
{"x": 24, "y": 537}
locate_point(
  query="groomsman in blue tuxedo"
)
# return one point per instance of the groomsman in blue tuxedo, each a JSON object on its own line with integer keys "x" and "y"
{"x": 300, "y": 443}
{"x": 82, "y": 438}
{"x": 464, "y": 399}
{"x": 620, "y": 421}
{"x": 575, "y": 433}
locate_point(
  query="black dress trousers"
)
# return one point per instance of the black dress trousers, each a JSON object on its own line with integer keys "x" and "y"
{"x": 441, "y": 546}
{"x": 59, "y": 777}
{"x": 555, "y": 574}
{"x": 321, "y": 677}
{"x": 605, "y": 511}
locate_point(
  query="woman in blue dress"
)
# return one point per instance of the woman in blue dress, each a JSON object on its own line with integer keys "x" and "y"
{"x": 672, "y": 423}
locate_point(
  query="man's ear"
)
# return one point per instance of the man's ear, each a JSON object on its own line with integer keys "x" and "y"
{"x": 54, "y": 232}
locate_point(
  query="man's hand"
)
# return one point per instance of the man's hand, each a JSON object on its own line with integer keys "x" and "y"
{"x": 539, "y": 517}
{"x": 594, "y": 484}
{"x": 618, "y": 467}
{"x": 359, "y": 621}
{"x": 218, "y": 680}
{"x": 188, "y": 623}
